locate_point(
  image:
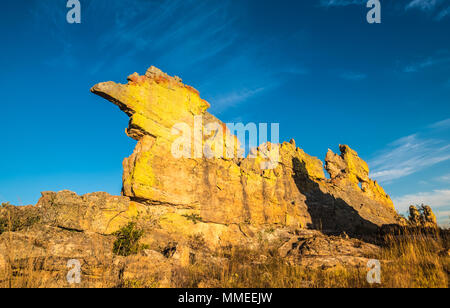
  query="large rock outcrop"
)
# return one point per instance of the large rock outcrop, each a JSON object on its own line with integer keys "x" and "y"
{"x": 230, "y": 189}
{"x": 349, "y": 170}
{"x": 422, "y": 216}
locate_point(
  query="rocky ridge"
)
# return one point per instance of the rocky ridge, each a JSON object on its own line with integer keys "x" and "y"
{"x": 190, "y": 208}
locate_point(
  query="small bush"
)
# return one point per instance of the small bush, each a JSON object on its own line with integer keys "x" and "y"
{"x": 127, "y": 242}
{"x": 197, "y": 242}
{"x": 195, "y": 218}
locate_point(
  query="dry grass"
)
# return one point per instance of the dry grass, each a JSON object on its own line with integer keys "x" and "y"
{"x": 241, "y": 270}
{"x": 413, "y": 259}
{"x": 417, "y": 259}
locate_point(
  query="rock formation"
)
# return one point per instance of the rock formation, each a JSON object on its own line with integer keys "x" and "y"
{"x": 229, "y": 189}
{"x": 422, "y": 216}
{"x": 192, "y": 208}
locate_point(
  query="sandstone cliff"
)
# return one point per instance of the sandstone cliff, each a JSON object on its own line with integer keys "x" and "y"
{"x": 233, "y": 189}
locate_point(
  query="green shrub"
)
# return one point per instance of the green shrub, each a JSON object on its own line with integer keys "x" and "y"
{"x": 127, "y": 242}
{"x": 195, "y": 218}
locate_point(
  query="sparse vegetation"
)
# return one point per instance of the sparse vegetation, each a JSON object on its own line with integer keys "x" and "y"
{"x": 11, "y": 219}
{"x": 197, "y": 242}
{"x": 127, "y": 242}
{"x": 195, "y": 218}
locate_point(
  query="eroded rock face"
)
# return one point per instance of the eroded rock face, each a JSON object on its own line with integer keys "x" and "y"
{"x": 234, "y": 190}
{"x": 95, "y": 212}
{"x": 348, "y": 169}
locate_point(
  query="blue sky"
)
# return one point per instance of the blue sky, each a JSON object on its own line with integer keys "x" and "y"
{"x": 316, "y": 67}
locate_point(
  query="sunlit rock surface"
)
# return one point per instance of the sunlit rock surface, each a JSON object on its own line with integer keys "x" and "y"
{"x": 232, "y": 189}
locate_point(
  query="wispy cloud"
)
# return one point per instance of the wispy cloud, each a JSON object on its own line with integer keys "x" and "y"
{"x": 330, "y": 3}
{"x": 412, "y": 68}
{"x": 432, "y": 7}
{"x": 355, "y": 76}
{"x": 235, "y": 97}
{"x": 424, "y": 5}
{"x": 443, "y": 178}
{"x": 179, "y": 36}
{"x": 444, "y": 13}
{"x": 439, "y": 200}
{"x": 177, "y": 29}
{"x": 53, "y": 15}
{"x": 426, "y": 63}
{"x": 410, "y": 154}
{"x": 187, "y": 30}
{"x": 295, "y": 71}
{"x": 407, "y": 156}
{"x": 444, "y": 124}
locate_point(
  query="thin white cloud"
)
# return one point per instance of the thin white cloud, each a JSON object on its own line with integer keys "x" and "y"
{"x": 354, "y": 76}
{"x": 331, "y": 3}
{"x": 443, "y": 178}
{"x": 188, "y": 41}
{"x": 413, "y": 68}
{"x": 439, "y": 200}
{"x": 432, "y": 7}
{"x": 295, "y": 71}
{"x": 444, "y": 124}
{"x": 409, "y": 155}
{"x": 166, "y": 38}
{"x": 236, "y": 97}
{"x": 444, "y": 13}
{"x": 426, "y": 63}
{"x": 424, "y": 5}
{"x": 412, "y": 154}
